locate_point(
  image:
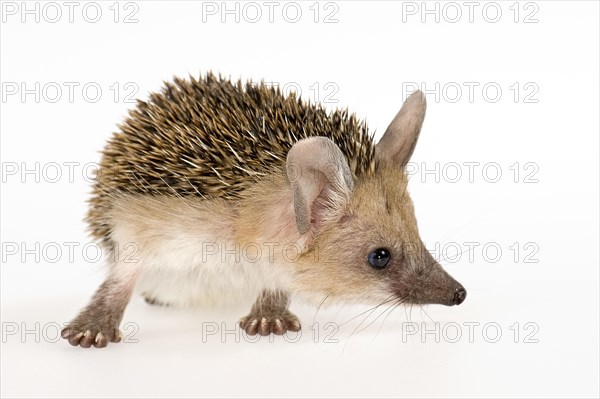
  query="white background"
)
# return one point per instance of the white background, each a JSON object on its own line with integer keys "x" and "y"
{"x": 367, "y": 56}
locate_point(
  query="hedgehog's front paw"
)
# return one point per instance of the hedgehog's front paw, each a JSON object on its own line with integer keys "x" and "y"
{"x": 88, "y": 334}
{"x": 270, "y": 324}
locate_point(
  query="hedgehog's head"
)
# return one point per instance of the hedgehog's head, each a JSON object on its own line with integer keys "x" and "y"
{"x": 363, "y": 241}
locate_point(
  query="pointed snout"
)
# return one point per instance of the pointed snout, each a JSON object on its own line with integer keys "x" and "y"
{"x": 427, "y": 283}
{"x": 459, "y": 295}
{"x": 450, "y": 295}
{"x": 438, "y": 287}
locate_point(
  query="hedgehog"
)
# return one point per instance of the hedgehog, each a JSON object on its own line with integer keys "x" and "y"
{"x": 215, "y": 191}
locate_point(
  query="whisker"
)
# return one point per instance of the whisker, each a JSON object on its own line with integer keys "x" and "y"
{"x": 319, "y": 308}
{"x": 397, "y": 302}
{"x": 390, "y": 311}
{"x": 427, "y": 314}
{"x": 388, "y": 299}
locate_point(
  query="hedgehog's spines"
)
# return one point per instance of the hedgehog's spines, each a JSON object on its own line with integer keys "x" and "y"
{"x": 209, "y": 137}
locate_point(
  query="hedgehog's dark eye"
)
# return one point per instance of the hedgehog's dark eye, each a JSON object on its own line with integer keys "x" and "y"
{"x": 379, "y": 258}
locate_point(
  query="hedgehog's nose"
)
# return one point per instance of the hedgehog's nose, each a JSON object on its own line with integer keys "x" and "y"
{"x": 459, "y": 296}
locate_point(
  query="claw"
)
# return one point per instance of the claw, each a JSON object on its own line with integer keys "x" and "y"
{"x": 269, "y": 325}
{"x": 265, "y": 327}
{"x": 293, "y": 325}
{"x": 67, "y": 332}
{"x": 117, "y": 336}
{"x": 75, "y": 339}
{"x": 100, "y": 341}
{"x": 277, "y": 327}
{"x": 252, "y": 327}
{"x": 86, "y": 337}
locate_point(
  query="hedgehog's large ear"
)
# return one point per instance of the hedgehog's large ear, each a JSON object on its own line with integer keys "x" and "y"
{"x": 320, "y": 179}
{"x": 400, "y": 138}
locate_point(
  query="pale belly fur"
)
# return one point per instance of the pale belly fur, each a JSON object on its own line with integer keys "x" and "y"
{"x": 184, "y": 252}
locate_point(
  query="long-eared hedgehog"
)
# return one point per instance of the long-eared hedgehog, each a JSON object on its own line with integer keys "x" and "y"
{"x": 214, "y": 191}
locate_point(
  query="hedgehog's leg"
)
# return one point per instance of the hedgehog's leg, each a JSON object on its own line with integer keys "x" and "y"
{"x": 98, "y": 323}
{"x": 270, "y": 314}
